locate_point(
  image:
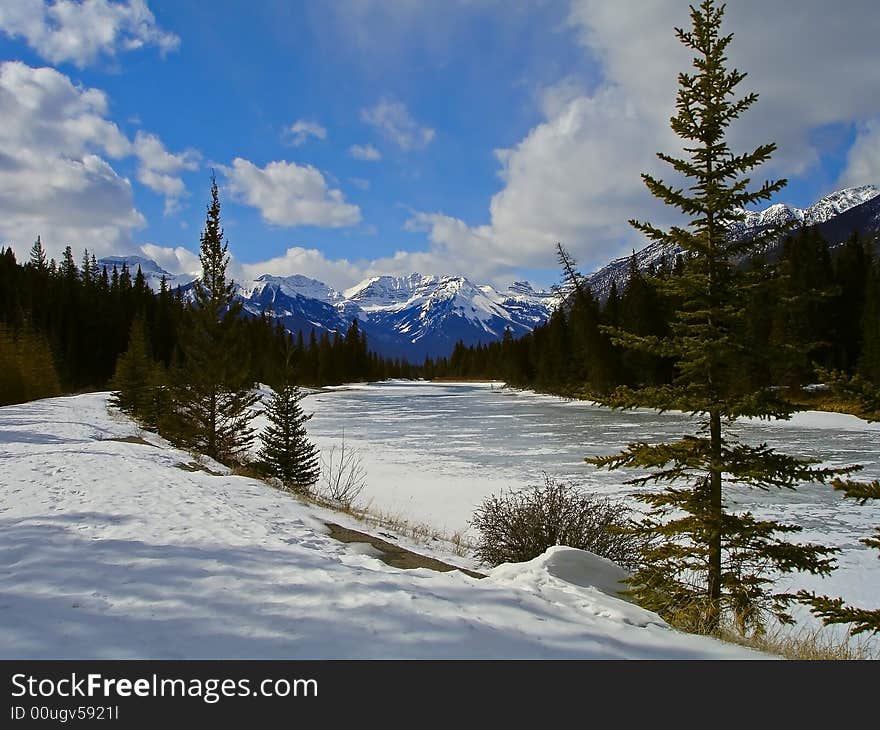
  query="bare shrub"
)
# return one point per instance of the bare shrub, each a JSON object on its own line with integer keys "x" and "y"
{"x": 343, "y": 476}
{"x": 520, "y": 525}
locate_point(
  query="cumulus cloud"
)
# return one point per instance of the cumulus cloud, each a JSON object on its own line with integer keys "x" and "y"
{"x": 175, "y": 260}
{"x": 80, "y": 32}
{"x": 338, "y": 273}
{"x": 54, "y": 178}
{"x": 366, "y": 153}
{"x": 158, "y": 168}
{"x": 299, "y": 132}
{"x": 575, "y": 177}
{"x": 287, "y": 194}
{"x": 863, "y": 161}
{"x": 811, "y": 75}
{"x": 392, "y": 119}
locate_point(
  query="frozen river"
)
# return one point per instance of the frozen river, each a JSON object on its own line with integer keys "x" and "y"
{"x": 433, "y": 451}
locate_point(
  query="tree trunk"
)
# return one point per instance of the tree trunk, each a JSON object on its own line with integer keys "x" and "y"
{"x": 713, "y": 606}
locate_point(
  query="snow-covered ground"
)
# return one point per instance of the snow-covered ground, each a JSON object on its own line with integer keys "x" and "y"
{"x": 109, "y": 550}
{"x": 434, "y": 451}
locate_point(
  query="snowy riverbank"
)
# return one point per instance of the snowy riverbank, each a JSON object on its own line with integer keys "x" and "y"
{"x": 110, "y": 550}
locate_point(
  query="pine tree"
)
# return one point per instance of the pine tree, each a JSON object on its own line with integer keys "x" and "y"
{"x": 27, "y": 368}
{"x": 68, "y": 266}
{"x": 133, "y": 379}
{"x": 286, "y": 450}
{"x": 869, "y": 361}
{"x": 38, "y": 256}
{"x": 706, "y": 565}
{"x": 213, "y": 393}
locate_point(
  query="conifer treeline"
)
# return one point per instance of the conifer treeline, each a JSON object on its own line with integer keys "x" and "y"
{"x": 63, "y": 328}
{"x": 822, "y": 310}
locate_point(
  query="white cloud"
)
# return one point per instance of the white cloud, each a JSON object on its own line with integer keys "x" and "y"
{"x": 360, "y": 183}
{"x": 863, "y": 161}
{"x": 79, "y": 32}
{"x": 366, "y": 153}
{"x": 54, "y": 180}
{"x": 338, "y": 273}
{"x": 393, "y": 120}
{"x": 287, "y": 194}
{"x": 575, "y": 177}
{"x": 157, "y": 168}
{"x": 811, "y": 75}
{"x": 177, "y": 260}
{"x": 299, "y": 132}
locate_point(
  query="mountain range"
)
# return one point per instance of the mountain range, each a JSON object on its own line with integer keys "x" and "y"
{"x": 425, "y": 315}
{"x": 403, "y": 316}
{"x": 835, "y": 216}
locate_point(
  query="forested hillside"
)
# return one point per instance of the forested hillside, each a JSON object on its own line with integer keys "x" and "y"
{"x": 63, "y": 327}
{"x": 820, "y": 304}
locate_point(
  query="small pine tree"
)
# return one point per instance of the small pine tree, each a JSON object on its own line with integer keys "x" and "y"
{"x": 213, "y": 393}
{"x": 869, "y": 363}
{"x": 286, "y": 450}
{"x": 12, "y": 387}
{"x": 27, "y": 368}
{"x": 134, "y": 376}
{"x": 68, "y": 265}
{"x": 705, "y": 564}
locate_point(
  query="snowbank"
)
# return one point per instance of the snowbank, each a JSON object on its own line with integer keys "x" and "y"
{"x": 111, "y": 550}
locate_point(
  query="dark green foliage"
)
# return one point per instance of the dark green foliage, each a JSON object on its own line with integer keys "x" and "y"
{"x": 139, "y": 382}
{"x": 27, "y": 368}
{"x": 287, "y": 452}
{"x": 706, "y": 564}
{"x": 518, "y": 526}
{"x": 869, "y": 358}
{"x": 213, "y": 392}
{"x": 86, "y": 322}
{"x": 38, "y": 256}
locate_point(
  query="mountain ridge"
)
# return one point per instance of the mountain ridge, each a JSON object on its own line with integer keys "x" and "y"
{"x": 413, "y": 316}
{"x": 424, "y": 315}
{"x": 835, "y": 216}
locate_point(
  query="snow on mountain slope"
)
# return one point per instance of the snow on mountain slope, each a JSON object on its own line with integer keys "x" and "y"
{"x": 835, "y": 207}
{"x": 821, "y": 211}
{"x": 413, "y": 316}
{"x": 384, "y": 292}
{"x": 110, "y": 550}
{"x": 410, "y": 316}
{"x": 291, "y": 286}
{"x": 839, "y": 202}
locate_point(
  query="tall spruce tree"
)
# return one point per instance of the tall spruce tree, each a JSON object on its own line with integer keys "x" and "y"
{"x": 706, "y": 565}
{"x": 213, "y": 392}
{"x": 38, "y": 256}
{"x": 286, "y": 449}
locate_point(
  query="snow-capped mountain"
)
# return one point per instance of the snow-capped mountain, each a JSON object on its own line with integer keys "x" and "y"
{"x": 152, "y": 272}
{"x": 291, "y": 286}
{"x": 836, "y": 216}
{"x": 382, "y": 292}
{"x": 411, "y": 316}
{"x": 404, "y": 316}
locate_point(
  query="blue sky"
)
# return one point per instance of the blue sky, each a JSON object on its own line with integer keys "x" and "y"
{"x": 491, "y": 128}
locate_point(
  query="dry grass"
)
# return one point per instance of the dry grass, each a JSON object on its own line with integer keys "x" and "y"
{"x": 819, "y": 644}
{"x": 420, "y": 532}
{"x": 396, "y": 523}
